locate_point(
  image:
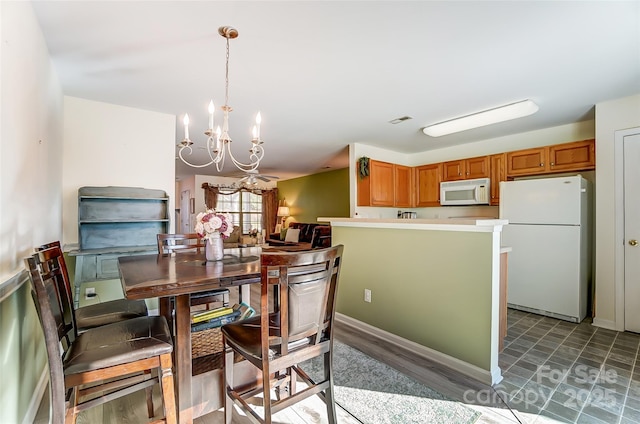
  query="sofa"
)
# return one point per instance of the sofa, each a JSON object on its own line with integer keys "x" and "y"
{"x": 234, "y": 238}
{"x": 312, "y": 236}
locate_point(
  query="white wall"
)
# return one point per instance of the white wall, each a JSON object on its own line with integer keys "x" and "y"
{"x": 30, "y": 198}
{"x": 611, "y": 116}
{"x": 31, "y": 147}
{"x": 111, "y": 145}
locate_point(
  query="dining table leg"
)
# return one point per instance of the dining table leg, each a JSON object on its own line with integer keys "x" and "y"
{"x": 182, "y": 349}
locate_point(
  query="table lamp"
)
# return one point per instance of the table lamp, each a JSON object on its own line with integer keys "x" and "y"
{"x": 283, "y": 212}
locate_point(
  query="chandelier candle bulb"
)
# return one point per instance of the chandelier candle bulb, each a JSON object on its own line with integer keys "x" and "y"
{"x": 258, "y": 121}
{"x": 186, "y": 126}
{"x": 211, "y": 110}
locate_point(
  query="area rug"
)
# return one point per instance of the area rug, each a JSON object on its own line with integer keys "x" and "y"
{"x": 376, "y": 393}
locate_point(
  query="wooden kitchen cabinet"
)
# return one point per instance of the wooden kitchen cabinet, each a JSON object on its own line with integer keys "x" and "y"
{"x": 428, "y": 179}
{"x": 527, "y": 161}
{"x": 576, "y": 156}
{"x": 388, "y": 184}
{"x": 466, "y": 169}
{"x": 566, "y": 157}
{"x": 498, "y": 173}
{"x": 377, "y": 189}
{"x": 403, "y": 180}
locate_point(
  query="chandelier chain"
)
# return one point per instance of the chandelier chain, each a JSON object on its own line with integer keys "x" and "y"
{"x": 226, "y": 78}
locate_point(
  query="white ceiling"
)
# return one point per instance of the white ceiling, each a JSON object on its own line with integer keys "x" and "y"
{"x": 327, "y": 73}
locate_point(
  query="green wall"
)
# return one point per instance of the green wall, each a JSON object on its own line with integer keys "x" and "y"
{"x": 23, "y": 356}
{"x": 320, "y": 195}
{"x": 431, "y": 287}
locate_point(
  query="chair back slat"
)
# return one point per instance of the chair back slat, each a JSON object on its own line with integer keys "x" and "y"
{"x": 175, "y": 243}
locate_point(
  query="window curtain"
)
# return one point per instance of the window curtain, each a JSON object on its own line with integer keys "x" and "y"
{"x": 269, "y": 210}
{"x": 269, "y": 202}
{"x": 211, "y": 194}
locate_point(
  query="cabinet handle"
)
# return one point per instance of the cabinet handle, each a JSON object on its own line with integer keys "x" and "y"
{"x": 552, "y": 163}
{"x": 633, "y": 242}
{"x": 542, "y": 164}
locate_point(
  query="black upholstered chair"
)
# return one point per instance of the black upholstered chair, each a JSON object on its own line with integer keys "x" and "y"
{"x": 103, "y": 363}
{"x": 102, "y": 313}
{"x": 300, "y": 329}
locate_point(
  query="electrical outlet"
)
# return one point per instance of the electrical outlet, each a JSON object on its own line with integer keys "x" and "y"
{"x": 89, "y": 292}
{"x": 367, "y": 295}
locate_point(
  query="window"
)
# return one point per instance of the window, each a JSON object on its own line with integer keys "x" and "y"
{"x": 245, "y": 208}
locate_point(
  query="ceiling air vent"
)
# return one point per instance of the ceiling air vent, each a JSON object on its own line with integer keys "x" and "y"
{"x": 401, "y": 119}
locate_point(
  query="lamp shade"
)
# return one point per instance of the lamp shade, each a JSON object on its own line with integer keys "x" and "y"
{"x": 283, "y": 211}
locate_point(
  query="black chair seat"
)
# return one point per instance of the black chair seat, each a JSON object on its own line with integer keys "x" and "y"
{"x": 100, "y": 314}
{"x": 245, "y": 335}
{"x": 118, "y": 343}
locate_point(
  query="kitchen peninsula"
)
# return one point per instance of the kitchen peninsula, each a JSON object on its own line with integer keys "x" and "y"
{"x": 434, "y": 286}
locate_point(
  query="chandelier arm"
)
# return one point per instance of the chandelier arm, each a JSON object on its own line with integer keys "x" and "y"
{"x": 248, "y": 166}
{"x": 189, "y": 163}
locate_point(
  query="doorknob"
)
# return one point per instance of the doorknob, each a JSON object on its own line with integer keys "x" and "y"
{"x": 633, "y": 242}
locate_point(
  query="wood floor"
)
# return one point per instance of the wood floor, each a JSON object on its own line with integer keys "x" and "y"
{"x": 131, "y": 409}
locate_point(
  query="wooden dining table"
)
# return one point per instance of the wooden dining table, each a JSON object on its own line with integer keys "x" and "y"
{"x": 180, "y": 275}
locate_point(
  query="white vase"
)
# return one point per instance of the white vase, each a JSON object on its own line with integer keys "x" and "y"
{"x": 214, "y": 248}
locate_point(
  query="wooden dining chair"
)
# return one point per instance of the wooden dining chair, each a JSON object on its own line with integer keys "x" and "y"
{"x": 103, "y": 363}
{"x": 191, "y": 242}
{"x": 276, "y": 343}
{"x": 102, "y": 313}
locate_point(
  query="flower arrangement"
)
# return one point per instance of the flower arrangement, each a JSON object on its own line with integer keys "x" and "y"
{"x": 210, "y": 222}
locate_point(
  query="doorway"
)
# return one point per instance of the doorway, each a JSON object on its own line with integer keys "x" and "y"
{"x": 185, "y": 212}
{"x": 631, "y": 234}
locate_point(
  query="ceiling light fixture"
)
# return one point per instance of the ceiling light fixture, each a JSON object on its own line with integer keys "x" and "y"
{"x": 480, "y": 119}
{"x": 219, "y": 142}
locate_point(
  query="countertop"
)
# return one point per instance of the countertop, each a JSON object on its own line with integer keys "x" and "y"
{"x": 444, "y": 224}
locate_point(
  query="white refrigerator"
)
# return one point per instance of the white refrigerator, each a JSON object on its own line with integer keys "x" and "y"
{"x": 549, "y": 267}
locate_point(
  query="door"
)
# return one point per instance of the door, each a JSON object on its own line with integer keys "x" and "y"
{"x": 428, "y": 184}
{"x": 631, "y": 148}
{"x": 404, "y": 186}
{"x": 544, "y": 269}
{"x": 542, "y": 201}
{"x": 185, "y": 213}
{"x": 382, "y": 183}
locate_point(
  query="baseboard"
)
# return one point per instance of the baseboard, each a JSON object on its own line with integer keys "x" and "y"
{"x": 605, "y": 323}
{"x": 36, "y": 399}
{"x": 456, "y": 364}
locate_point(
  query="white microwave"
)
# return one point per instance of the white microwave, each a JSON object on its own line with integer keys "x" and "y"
{"x": 465, "y": 192}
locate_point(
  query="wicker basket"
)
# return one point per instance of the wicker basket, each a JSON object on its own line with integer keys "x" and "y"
{"x": 206, "y": 342}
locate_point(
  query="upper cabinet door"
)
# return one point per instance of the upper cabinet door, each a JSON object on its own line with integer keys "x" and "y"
{"x": 428, "y": 179}
{"x": 453, "y": 170}
{"x": 403, "y": 176}
{"x": 573, "y": 156}
{"x": 527, "y": 162}
{"x": 477, "y": 167}
{"x": 498, "y": 174}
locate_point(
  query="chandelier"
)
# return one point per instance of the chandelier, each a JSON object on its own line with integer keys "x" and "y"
{"x": 218, "y": 141}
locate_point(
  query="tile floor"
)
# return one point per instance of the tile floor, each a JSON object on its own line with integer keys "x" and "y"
{"x": 556, "y": 371}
